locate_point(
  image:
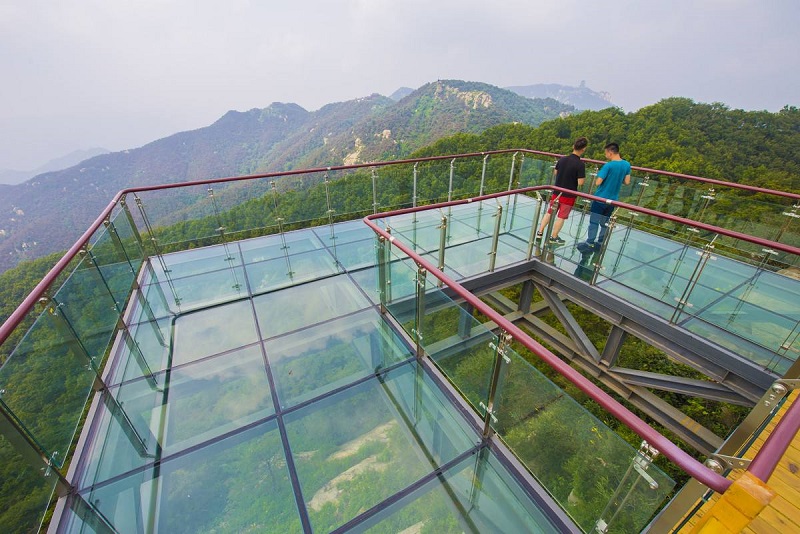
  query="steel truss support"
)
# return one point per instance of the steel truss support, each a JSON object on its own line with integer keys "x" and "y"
{"x": 576, "y": 333}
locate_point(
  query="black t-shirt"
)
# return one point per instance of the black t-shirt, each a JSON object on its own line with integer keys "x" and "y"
{"x": 568, "y": 170}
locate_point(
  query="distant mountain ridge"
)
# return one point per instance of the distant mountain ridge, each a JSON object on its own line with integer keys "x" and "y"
{"x": 48, "y": 212}
{"x": 581, "y": 97}
{"x": 12, "y": 177}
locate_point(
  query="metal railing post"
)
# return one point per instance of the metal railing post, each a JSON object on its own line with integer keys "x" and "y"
{"x": 450, "y": 186}
{"x": 513, "y": 168}
{"x": 442, "y": 242}
{"x": 414, "y": 190}
{"x": 374, "y": 191}
{"x": 382, "y": 281}
{"x": 420, "y": 311}
{"x": 280, "y": 219}
{"x": 136, "y": 235}
{"x": 483, "y": 175}
{"x": 501, "y": 362}
{"x": 495, "y": 237}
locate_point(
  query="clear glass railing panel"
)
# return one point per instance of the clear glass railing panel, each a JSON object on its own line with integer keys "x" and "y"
{"x": 536, "y": 170}
{"x": 466, "y": 177}
{"x": 498, "y": 172}
{"x": 765, "y": 216}
{"x": 460, "y": 346}
{"x": 666, "y": 194}
{"x": 25, "y": 492}
{"x": 144, "y": 349}
{"x": 245, "y": 209}
{"x": 473, "y": 496}
{"x": 107, "y": 255}
{"x": 695, "y": 279}
{"x": 350, "y": 193}
{"x": 401, "y": 275}
{"x": 209, "y": 489}
{"x": 302, "y": 201}
{"x": 433, "y": 178}
{"x": 129, "y": 237}
{"x": 421, "y": 231}
{"x": 182, "y": 217}
{"x": 46, "y": 382}
{"x": 88, "y": 308}
{"x": 320, "y": 359}
{"x": 349, "y": 459}
{"x": 591, "y": 462}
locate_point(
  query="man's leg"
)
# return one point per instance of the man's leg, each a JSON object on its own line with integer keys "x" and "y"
{"x": 595, "y": 218}
{"x": 543, "y": 224}
{"x": 607, "y": 210}
{"x": 557, "y": 226}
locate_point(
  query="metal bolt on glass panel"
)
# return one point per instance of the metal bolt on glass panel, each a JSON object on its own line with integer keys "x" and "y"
{"x": 627, "y": 488}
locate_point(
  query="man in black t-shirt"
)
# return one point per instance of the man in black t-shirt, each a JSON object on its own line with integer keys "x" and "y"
{"x": 570, "y": 173}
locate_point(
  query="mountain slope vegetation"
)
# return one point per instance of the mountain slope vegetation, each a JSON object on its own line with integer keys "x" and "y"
{"x": 50, "y": 211}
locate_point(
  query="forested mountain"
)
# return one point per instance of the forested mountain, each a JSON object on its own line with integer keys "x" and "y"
{"x": 752, "y": 147}
{"x": 50, "y": 211}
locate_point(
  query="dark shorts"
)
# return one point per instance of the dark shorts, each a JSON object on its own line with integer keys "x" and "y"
{"x": 564, "y": 206}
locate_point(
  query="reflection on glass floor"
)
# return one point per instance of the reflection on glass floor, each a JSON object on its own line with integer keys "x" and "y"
{"x": 747, "y": 309}
{"x": 258, "y": 375}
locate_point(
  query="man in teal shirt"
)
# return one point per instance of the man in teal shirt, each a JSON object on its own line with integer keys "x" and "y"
{"x": 609, "y": 180}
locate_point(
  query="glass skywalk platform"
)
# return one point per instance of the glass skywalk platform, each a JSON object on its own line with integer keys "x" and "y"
{"x": 273, "y": 383}
{"x": 266, "y": 392}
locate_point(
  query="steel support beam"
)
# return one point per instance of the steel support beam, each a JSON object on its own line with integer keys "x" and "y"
{"x": 566, "y": 319}
{"x": 685, "y": 386}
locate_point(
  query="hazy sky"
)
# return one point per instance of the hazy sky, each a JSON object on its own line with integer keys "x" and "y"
{"x": 117, "y": 74}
